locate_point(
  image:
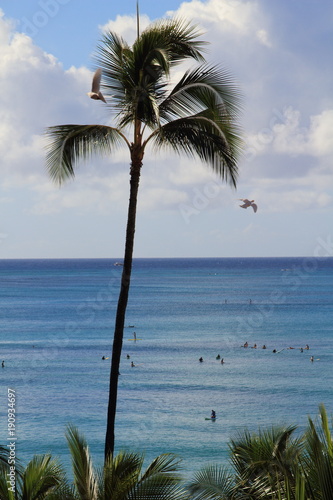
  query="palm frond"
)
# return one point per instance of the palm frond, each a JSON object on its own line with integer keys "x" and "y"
{"x": 161, "y": 480}
{"x": 6, "y": 492}
{"x": 264, "y": 461}
{"x": 179, "y": 37}
{"x": 328, "y": 438}
{"x": 318, "y": 461}
{"x": 115, "y": 56}
{"x": 120, "y": 474}
{"x": 212, "y": 482}
{"x": 85, "y": 479}
{"x": 200, "y": 136}
{"x": 206, "y": 87}
{"x": 42, "y": 476}
{"x": 70, "y": 143}
{"x": 166, "y": 464}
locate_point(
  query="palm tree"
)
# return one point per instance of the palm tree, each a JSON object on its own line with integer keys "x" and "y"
{"x": 272, "y": 465}
{"x": 122, "y": 478}
{"x": 264, "y": 467}
{"x": 265, "y": 461}
{"x": 198, "y": 117}
{"x": 42, "y": 479}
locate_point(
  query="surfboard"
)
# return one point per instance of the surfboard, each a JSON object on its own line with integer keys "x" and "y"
{"x": 210, "y": 418}
{"x": 134, "y": 339}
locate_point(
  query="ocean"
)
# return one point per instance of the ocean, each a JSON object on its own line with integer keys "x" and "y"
{"x": 57, "y": 320}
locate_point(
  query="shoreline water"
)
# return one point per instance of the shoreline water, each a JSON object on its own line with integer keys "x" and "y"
{"x": 57, "y": 319}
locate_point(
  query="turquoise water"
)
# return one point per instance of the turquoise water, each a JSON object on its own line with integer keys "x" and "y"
{"x": 56, "y": 320}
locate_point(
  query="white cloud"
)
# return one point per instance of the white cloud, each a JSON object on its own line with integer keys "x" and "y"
{"x": 292, "y": 138}
{"x": 263, "y": 37}
{"x": 231, "y": 18}
{"x": 38, "y": 92}
{"x": 289, "y": 135}
{"x": 126, "y": 26}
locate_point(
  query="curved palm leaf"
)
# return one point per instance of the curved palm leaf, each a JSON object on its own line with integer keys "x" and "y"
{"x": 69, "y": 143}
{"x": 42, "y": 476}
{"x": 120, "y": 474}
{"x": 85, "y": 478}
{"x": 203, "y": 88}
{"x": 212, "y": 483}
{"x": 317, "y": 462}
{"x": 161, "y": 480}
{"x": 200, "y": 136}
{"x": 178, "y": 36}
{"x": 263, "y": 461}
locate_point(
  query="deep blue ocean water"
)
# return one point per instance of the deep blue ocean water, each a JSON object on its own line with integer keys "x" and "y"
{"x": 57, "y": 320}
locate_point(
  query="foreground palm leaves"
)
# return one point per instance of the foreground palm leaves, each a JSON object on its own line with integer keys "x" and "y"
{"x": 269, "y": 465}
{"x": 273, "y": 465}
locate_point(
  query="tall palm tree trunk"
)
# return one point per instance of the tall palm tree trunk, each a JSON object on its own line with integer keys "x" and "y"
{"x": 122, "y": 304}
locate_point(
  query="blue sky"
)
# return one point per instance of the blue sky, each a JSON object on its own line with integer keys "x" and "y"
{"x": 280, "y": 54}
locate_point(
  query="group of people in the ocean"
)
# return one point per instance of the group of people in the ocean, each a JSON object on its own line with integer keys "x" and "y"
{"x": 217, "y": 357}
{"x": 306, "y": 348}
{"x": 302, "y": 349}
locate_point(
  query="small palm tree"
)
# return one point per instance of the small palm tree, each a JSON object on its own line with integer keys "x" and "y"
{"x": 198, "y": 117}
{"x": 272, "y": 465}
{"x": 265, "y": 461}
{"x": 42, "y": 479}
{"x": 122, "y": 478}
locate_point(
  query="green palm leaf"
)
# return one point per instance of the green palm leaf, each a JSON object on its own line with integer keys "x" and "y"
{"x": 203, "y": 88}
{"x": 85, "y": 478}
{"x": 318, "y": 461}
{"x": 69, "y": 143}
{"x": 42, "y": 476}
{"x": 120, "y": 475}
{"x": 212, "y": 483}
{"x": 200, "y": 136}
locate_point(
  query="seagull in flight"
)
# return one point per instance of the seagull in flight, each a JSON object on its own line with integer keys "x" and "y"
{"x": 248, "y": 203}
{"x": 95, "y": 92}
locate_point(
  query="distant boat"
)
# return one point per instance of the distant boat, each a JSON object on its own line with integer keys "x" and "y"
{"x": 118, "y": 264}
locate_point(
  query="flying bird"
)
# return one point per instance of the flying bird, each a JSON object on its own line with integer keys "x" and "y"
{"x": 248, "y": 203}
{"x": 95, "y": 92}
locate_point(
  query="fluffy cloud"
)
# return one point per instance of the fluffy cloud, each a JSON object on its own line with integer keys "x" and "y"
{"x": 126, "y": 26}
{"x": 231, "y": 16}
{"x": 286, "y": 134}
{"x": 38, "y": 92}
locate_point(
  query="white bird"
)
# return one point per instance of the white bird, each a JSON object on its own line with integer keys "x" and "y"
{"x": 95, "y": 92}
{"x": 248, "y": 203}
